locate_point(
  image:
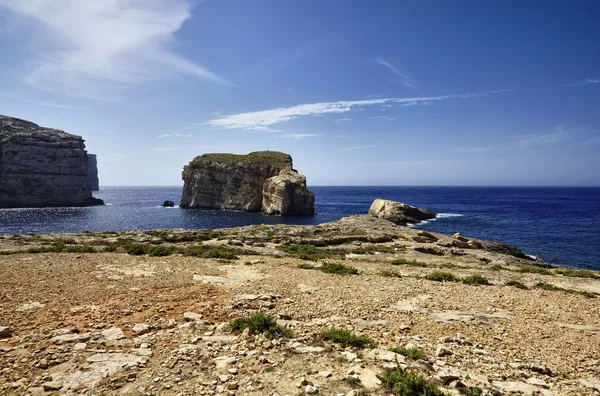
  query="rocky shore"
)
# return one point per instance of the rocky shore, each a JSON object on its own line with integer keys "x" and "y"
{"x": 359, "y": 306}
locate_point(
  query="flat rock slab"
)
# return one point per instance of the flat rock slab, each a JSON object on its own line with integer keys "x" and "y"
{"x": 450, "y": 316}
{"x": 520, "y": 388}
{"x": 30, "y": 306}
{"x": 590, "y": 383}
{"x": 591, "y": 329}
{"x": 101, "y": 365}
{"x": 113, "y": 334}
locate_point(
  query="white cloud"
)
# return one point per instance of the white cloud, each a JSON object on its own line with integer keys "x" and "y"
{"x": 404, "y": 77}
{"x": 265, "y": 118}
{"x": 587, "y": 81}
{"x": 297, "y": 136}
{"x": 340, "y": 120}
{"x": 382, "y": 118}
{"x": 355, "y": 148}
{"x": 98, "y": 48}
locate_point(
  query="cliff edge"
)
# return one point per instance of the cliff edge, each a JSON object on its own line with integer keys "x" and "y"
{"x": 42, "y": 167}
{"x": 259, "y": 181}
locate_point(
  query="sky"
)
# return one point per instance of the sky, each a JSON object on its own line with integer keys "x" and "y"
{"x": 376, "y": 92}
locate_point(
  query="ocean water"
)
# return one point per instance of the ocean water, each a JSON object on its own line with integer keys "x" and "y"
{"x": 559, "y": 225}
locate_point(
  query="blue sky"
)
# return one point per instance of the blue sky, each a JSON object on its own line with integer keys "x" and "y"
{"x": 358, "y": 92}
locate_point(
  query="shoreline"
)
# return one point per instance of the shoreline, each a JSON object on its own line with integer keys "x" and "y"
{"x": 159, "y": 304}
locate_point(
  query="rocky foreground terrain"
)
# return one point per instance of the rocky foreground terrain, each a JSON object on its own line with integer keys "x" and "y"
{"x": 148, "y": 313}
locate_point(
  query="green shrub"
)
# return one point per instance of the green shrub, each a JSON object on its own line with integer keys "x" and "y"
{"x": 410, "y": 263}
{"x": 161, "y": 251}
{"x": 530, "y": 269}
{"x": 411, "y": 353}
{"x": 347, "y": 338}
{"x": 497, "y": 267}
{"x": 405, "y": 383}
{"x": 353, "y": 381}
{"x": 390, "y": 274}
{"x": 577, "y": 273}
{"x": 209, "y": 251}
{"x": 135, "y": 249}
{"x": 476, "y": 280}
{"x": 339, "y": 269}
{"x": 258, "y": 322}
{"x": 516, "y": 284}
{"x": 306, "y": 266}
{"x": 470, "y": 390}
{"x": 439, "y": 276}
{"x": 310, "y": 252}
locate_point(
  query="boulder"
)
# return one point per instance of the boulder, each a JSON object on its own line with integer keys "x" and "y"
{"x": 42, "y": 167}
{"x": 168, "y": 204}
{"x": 239, "y": 182}
{"x": 399, "y": 213}
{"x": 286, "y": 194}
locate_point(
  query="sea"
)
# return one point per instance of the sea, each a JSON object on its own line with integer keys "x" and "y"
{"x": 558, "y": 225}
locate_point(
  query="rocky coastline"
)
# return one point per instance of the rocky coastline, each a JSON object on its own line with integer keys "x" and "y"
{"x": 42, "y": 167}
{"x": 353, "y": 307}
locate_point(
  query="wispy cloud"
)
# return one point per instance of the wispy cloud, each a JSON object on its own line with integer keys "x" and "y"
{"x": 382, "y": 118}
{"x": 403, "y": 75}
{"x": 532, "y": 141}
{"x": 298, "y": 136}
{"x": 265, "y": 118}
{"x": 50, "y": 104}
{"x": 174, "y": 134}
{"x": 355, "y": 148}
{"x": 340, "y": 120}
{"x": 99, "y": 48}
{"x": 587, "y": 81}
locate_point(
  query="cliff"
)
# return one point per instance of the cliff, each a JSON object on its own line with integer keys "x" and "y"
{"x": 259, "y": 181}
{"x": 42, "y": 167}
{"x": 93, "y": 181}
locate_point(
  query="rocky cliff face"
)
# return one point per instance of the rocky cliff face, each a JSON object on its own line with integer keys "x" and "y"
{"x": 252, "y": 182}
{"x": 93, "y": 180}
{"x": 42, "y": 167}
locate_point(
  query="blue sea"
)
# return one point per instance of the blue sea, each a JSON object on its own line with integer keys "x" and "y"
{"x": 561, "y": 226}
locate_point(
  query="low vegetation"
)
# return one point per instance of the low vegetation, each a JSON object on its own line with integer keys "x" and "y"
{"x": 516, "y": 284}
{"x": 404, "y": 383}
{"x": 353, "y": 381}
{"x": 339, "y": 269}
{"x": 577, "y": 273}
{"x": 440, "y": 276}
{"x": 530, "y": 269}
{"x": 346, "y": 338}
{"x": 258, "y": 322}
{"x": 311, "y": 252}
{"x": 470, "y": 390}
{"x": 411, "y": 353}
{"x": 390, "y": 274}
{"x": 410, "y": 263}
{"x": 476, "y": 280}
{"x": 550, "y": 287}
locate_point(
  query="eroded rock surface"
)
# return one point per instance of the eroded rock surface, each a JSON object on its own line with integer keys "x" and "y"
{"x": 286, "y": 194}
{"x": 259, "y": 181}
{"x": 42, "y": 167}
{"x": 399, "y": 213}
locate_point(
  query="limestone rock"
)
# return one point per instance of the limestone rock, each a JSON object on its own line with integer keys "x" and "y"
{"x": 168, "y": 204}
{"x": 42, "y": 167}
{"x": 286, "y": 194}
{"x": 398, "y": 212}
{"x": 93, "y": 181}
{"x": 238, "y": 182}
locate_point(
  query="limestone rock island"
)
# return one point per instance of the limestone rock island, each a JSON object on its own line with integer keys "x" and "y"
{"x": 260, "y": 181}
{"x": 42, "y": 167}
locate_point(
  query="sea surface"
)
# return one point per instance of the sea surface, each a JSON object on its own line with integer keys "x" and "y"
{"x": 559, "y": 225}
